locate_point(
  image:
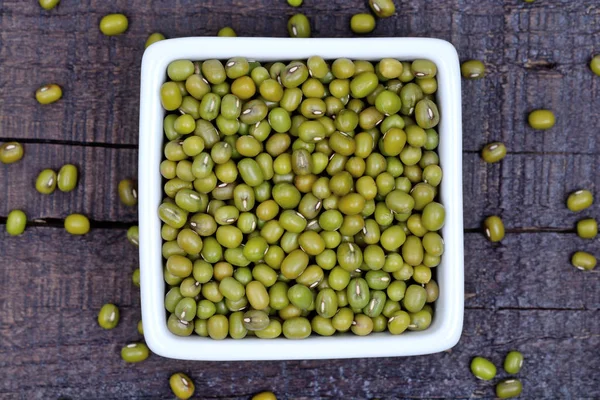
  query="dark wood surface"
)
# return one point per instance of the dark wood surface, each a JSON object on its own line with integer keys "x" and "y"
{"x": 521, "y": 293}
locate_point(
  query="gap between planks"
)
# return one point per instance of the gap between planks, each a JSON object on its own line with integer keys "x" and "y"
{"x": 59, "y": 223}
{"x": 134, "y": 146}
{"x": 70, "y": 143}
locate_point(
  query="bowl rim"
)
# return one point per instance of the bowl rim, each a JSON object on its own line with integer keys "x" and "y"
{"x": 446, "y": 327}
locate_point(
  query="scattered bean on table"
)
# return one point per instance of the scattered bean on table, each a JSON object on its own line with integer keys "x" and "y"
{"x": 583, "y": 260}
{"x": 48, "y": 94}
{"x": 483, "y": 368}
{"x": 494, "y": 228}
{"x": 595, "y": 64}
{"x": 493, "y": 152}
{"x": 135, "y": 352}
{"x": 114, "y": 24}
{"x": 16, "y": 222}
{"x": 48, "y": 4}
{"x": 362, "y": 23}
{"x": 11, "y": 152}
{"x": 472, "y": 69}
{"x": 513, "y": 362}
{"x": 153, "y": 38}
{"x": 227, "y": 32}
{"x": 580, "y": 200}
{"x": 541, "y": 119}
{"x": 509, "y": 388}
{"x": 108, "y": 317}
{"x": 299, "y": 26}
{"x": 587, "y": 228}
{"x": 67, "y": 178}
{"x": 264, "y": 396}
{"x": 182, "y": 386}
{"x": 77, "y": 224}
{"x": 383, "y": 8}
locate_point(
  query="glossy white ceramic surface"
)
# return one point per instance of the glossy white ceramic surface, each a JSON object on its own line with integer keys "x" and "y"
{"x": 446, "y": 328}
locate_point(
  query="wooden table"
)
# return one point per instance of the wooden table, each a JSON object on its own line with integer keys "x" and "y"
{"x": 520, "y": 294}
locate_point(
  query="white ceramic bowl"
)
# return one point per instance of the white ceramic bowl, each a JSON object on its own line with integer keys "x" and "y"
{"x": 446, "y": 327}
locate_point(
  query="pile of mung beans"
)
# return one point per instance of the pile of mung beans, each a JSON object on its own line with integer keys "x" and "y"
{"x": 300, "y": 197}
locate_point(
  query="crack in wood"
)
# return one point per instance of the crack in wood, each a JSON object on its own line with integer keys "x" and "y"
{"x": 57, "y": 222}
{"x": 69, "y": 143}
{"x": 539, "y": 65}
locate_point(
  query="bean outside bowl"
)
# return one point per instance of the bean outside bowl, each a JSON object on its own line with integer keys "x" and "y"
{"x": 446, "y": 327}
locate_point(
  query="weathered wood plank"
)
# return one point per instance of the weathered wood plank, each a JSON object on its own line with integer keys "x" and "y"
{"x": 557, "y": 361}
{"x": 511, "y": 274}
{"x": 529, "y": 270}
{"x": 528, "y": 190}
{"x": 542, "y": 63}
{"x": 521, "y": 293}
{"x": 96, "y": 195}
{"x": 49, "y": 297}
{"x": 517, "y": 189}
{"x": 100, "y": 74}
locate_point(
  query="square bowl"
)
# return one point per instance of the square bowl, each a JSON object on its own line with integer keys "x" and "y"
{"x": 446, "y": 326}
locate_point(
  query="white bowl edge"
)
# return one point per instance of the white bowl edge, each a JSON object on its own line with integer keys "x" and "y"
{"x": 446, "y": 328}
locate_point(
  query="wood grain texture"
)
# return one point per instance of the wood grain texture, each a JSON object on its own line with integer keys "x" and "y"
{"x": 91, "y": 368}
{"x": 517, "y": 189}
{"x": 529, "y": 270}
{"x": 100, "y": 170}
{"x": 535, "y": 55}
{"x": 521, "y": 293}
{"x": 528, "y": 190}
{"x": 516, "y": 298}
